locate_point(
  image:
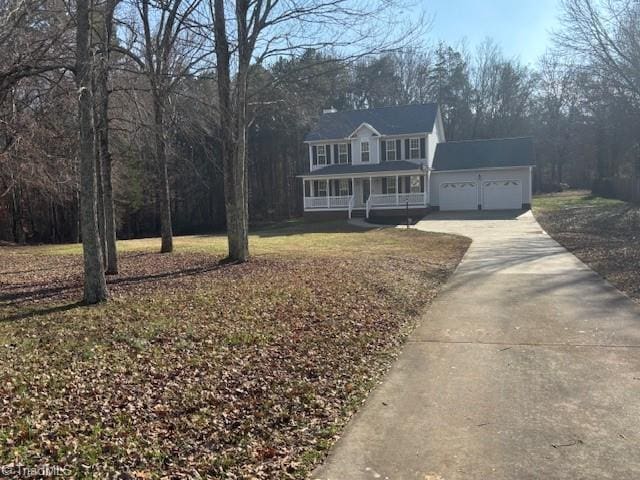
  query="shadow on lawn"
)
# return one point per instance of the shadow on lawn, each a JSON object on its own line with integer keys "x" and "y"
{"x": 41, "y": 292}
{"x": 32, "y": 313}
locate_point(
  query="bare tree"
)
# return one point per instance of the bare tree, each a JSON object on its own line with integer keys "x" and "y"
{"x": 261, "y": 29}
{"x": 95, "y": 287}
{"x": 102, "y": 38}
{"x": 606, "y": 35}
{"x": 165, "y": 50}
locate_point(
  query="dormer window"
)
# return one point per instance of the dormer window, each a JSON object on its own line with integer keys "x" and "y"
{"x": 391, "y": 150}
{"x": 414, "y": 148}
{"x": 364, "y": 152}
{"x": 343, "y": 153}
{"x": 322, "y": 155}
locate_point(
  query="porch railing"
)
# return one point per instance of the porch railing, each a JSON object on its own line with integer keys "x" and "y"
{"x": 397, "y": 200}
{"x": 327, "y": 202}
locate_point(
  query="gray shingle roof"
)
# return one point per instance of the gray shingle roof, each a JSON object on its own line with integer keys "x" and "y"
{"x": 470, "y": 154}
{"x": 347, "y": 168}
{"x": 396, "y": 120}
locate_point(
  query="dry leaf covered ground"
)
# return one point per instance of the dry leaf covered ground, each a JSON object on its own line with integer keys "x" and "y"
{"x": 603, "y": 233}
{"x": 200, "y": 369}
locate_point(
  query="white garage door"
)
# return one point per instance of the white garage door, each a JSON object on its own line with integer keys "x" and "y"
{"x": 458, "y": 196}
{"x": 501, "y": 195}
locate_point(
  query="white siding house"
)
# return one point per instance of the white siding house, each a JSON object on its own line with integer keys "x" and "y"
{"x": 368, "y": 162}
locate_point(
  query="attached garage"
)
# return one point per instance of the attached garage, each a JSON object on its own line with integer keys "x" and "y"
{"x": 502, "y": 194}
{"x": 458, "y": 195}
{"x": 482, "y": 174}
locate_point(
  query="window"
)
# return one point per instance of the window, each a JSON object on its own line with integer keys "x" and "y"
{"x": 364, "y": 152}
{"x": 415, "y": 184}
{"x": 322, "y": 155}
{"x": 320, "y": 188}
{"x": 343, "y": 153}
{"x": 391, "y": 150}
{"x": 343, "y": 188}
{"x": 391, "y": 183}
{"x": 414, "y": 148}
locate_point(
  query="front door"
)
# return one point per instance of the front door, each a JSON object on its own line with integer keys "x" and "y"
{"x": 365, "y": 191}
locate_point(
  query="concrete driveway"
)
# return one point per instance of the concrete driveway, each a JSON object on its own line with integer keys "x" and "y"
{"x": 526, "y": 366}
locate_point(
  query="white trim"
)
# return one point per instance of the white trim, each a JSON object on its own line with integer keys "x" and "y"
{"x": 367, "y": 125}
{"x": 398, "y": 135}
{"x": 482, "y": 169}
{"x": 390, "y": 173}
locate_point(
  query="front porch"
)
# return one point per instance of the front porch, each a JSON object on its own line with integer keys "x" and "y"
{"x": 366, "y": 194}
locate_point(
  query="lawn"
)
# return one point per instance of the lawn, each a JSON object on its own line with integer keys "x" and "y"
{"x": 198, "y": 368}
{"x": 603, "y": 233}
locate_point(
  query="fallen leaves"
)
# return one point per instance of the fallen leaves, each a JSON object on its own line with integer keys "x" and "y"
{"x": 603, "y": 234}
{"x": 200, "y": 369}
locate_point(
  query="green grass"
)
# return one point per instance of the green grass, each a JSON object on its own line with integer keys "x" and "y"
{"x": 196, "y": 365}
{"x": 572, "y": 199}
{"x": 602, "y": 232}
{"x": 293, "y": 238}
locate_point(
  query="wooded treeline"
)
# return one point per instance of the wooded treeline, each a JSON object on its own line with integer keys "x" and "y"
{"x": 580, "y": 102}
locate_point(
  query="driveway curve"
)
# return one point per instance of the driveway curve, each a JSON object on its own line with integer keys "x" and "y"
{"x": 526, "y": 366}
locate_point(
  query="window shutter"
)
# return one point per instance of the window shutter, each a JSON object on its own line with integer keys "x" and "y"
{"x": 398, "y": 149}
{"x": 327, "y": 149}
{"x": 349, "y": 152}
{"x": 314, "y": 149}
{"x": 307, "y": 188}
{"x": 422, "y": 184}
{"x": 407, "y": 149}
{"x": 423, "y": 149}
{"x": 383, "y": 151}
{"x": 336, "y": 153}
{"x": 407, "y": 184}
{"x": 351, "y": 186}
{"x": 384, "y": 185}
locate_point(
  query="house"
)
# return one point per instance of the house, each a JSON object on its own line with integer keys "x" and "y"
{"x": 382, "y": 161}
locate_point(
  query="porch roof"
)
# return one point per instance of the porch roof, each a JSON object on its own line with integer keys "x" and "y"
{"x": 348, "y": 169}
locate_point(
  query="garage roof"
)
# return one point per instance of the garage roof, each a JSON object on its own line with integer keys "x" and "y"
{"x": 492, "y": 153}
{"x": 395, "y": 120}
{"x": 348, "y": 168}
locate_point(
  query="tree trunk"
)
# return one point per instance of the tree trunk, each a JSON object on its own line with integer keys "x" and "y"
{"x": 101, "y": 114}
{"x": 166, "y": 229}
{"x": 95, "y": 287}
{"x": 233, "y": 141}
{"x": 99, "y": 190}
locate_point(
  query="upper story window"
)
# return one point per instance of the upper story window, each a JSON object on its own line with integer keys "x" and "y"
{"x": 343, "y": 153}
{"x": 322, "y": 155}
{"x": 364, "y": 151}
{"x": 414, "y": 148}
{"x": 391, "y": 150}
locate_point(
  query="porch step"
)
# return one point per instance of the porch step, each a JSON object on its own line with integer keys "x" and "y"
{"x": 358, "y": 213}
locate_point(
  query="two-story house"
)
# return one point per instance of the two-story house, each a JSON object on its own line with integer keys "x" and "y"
{"x": 383, "y": 160}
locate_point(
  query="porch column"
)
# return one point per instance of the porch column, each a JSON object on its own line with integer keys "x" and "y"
{"x": 328, "y": 192}
{"x": 426, "y": 185}
{"x": 397, "y": 192}
{"x": 370, "y": 188}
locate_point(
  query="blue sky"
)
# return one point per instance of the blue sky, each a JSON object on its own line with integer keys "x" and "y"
{"x": 520, "y": 27}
